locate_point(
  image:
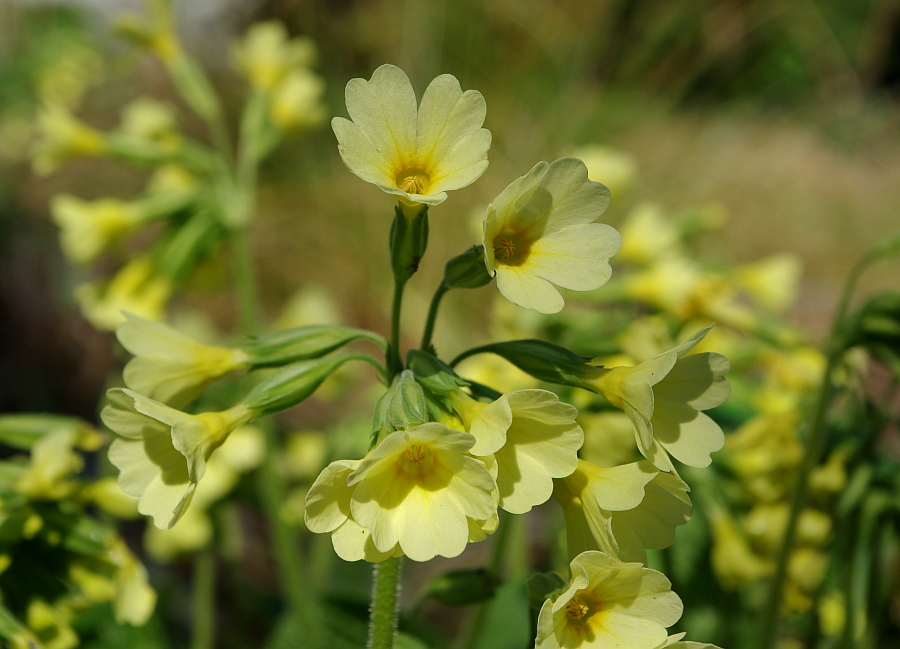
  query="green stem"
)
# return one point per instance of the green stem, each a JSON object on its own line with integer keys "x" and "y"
{"x": 245, "y": 280}
{"x": 394, "y": 364}
{"x": 385, "y": 596}
{"x": 432, "y": 315}
{"x": 301, "y": 602}
{"x": 495, "y": 568}
{"x": 810, "y": 457}
{"x": 204, "y": 600}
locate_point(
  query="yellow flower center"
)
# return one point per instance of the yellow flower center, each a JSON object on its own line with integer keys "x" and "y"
{"x": 576, "y": 609}
{"x": 413, "y": 180}
{"x": 417, "y": 460}
{"x": 511, "y": 247}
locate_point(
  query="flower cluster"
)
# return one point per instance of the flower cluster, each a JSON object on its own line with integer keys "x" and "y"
{"x": 196, "y": 193}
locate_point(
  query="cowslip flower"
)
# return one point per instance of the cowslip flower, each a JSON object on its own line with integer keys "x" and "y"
{"x": 623, "y": 510}
{"x": 541, "y": 231}
{"x": 416, "y": 154}
{"x": 136, "y": 288}
{"x": 418, "y": 492}
{"x": 168, "y": 366}
{"x": 609, "y": 604}
{"x": 266, "y": 54}
{"x": 63, "y": 137}
{"x": 664, "y": 397}
{"x": 87, "y": 228}
{"x": 161, "y": 452}
{"x": 532, "y": 438}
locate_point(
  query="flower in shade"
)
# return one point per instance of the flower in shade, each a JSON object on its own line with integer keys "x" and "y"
{"x": 531, "y": 436}
{"x": 87, "y": 228}
{"x": 609, "y": 604}
{"x": 541, "y": 231}
{"x": 415, "y": 153}
{"x": 169, "y": 366}
{"x": 623, "y": 510}
{"x": 161, "y": 452}
{"x": 664, "y": 397}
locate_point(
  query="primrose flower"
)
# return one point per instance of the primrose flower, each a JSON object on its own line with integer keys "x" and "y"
{"x": 297, "y": 101}
{"x": 64, "y": 137}
{"x": 169, "y": 366}
{"x": 416, "y": 154}
{"x": 609, "y": 604}
{"x": 136, "y": 288}
{"x": 664, "y": 397}
{"x": 540, "y": 231}
{"x": 266, "y": 54}
{"x": 87, "y": 228}
{"x": 418, "y": 492}
{"x": 532, "y": 437}
{"x": 161, "y": 452}
{"x": 622, "y": 510}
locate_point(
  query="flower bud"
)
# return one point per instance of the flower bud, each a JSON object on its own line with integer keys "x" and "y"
{"x": 302, "y": 343}
{"x": 467, "y": 270}
{"x": 292, "y": 384}
{"x": 545, "y": 361}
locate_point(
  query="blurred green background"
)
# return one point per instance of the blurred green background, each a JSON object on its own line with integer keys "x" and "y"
{"x": 780, "y": 116}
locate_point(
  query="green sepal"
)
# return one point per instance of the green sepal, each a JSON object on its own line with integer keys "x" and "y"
{"x": 543, "y": 360}
{"x": 402, "y": 406}
{"x": 292, "y": 384}
{"x": 408, "y": 240}
{"x": 435, "y": 375}
{"x": 303, "y": 343}
{"x": 467, "y": 270}
{"x": 543, "y": 586}
{"x": 462, "y": 587}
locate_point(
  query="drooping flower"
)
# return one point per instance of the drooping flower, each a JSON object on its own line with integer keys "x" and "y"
{"x": 623, "y": 510}
{"x": 609, "y": 604}
{"x": 532, "y": 437}
{"x": 161, "y": 452}
{"x": 664, "y": 397}
{"x": 63, "y": 137}
{"x": 87, "y": 228}
{"x": 169, "y": 366}
{"x": 267, "y": 55}
{"x": 541, "y": 231}
{"x": 416, "y": 154}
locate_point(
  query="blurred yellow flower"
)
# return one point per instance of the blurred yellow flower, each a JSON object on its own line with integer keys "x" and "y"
{"x": 734, "y": 562}
{"x": 161, "y": 452}
{"x": 148, "y": 119}
{"x": 664, "y": 397}
{"x": 52, "y": 624}
{"x": 648, "y": 235}
{"x": 87, "y": 228}
{"x": 297, "y": 101}
{"x": 614, "y": 168}
{"x": 416, "y": 154}
{"x": 541, "y": 231}
{"x": 267, "y": 55}
{"x": 772, "y": 281}
{"x": 609, "y": 604}
{"x": 169, "y": 366}
{"x": 63, "y": 137}
{"x": 532, "y": 437}
{"x": 136, "y": 288}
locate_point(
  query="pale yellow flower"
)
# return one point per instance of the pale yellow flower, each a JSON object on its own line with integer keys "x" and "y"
{"x": 609, "y": 604}
{"x": 63, "y": 137}
{"x": 297, "y": 101}
{"x": 418, "y": 492}
{"x": 148, "y": 119}
{"x": 161, "y": 453}
{"x": 52, "y": 624}
{"x": 772, "y": 281}
{"x": 87, "y": 228}
{"x": 648, "y": 235}
{"x": 266, "y": 54}
{"x": 416, "y": 154}
{"x": 614, "y": 168}
{"x": 664, "y": 397}
{"x": 169, "y": 366}
{"x": 532, "y": 437}
{"x": 136, "y": 288}
{"x": 541, "y": 231}
{"x": 622, "y": 510}
{"x": 733, "y": 560}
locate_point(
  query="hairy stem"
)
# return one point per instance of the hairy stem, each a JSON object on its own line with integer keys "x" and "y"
{"x": 385, "y": 597}
{"x": 432, "y": 315}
